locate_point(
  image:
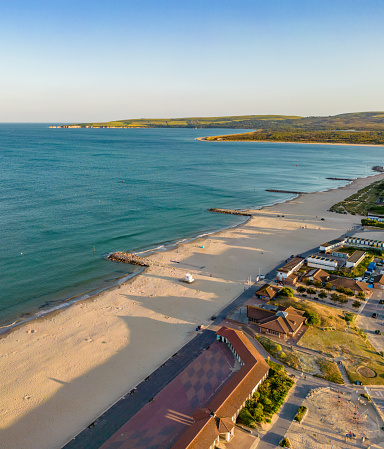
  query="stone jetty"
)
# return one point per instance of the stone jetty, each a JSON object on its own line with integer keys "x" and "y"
{"x": 231, "y": 212}
{"x": 284, "y": 191}
{"x": 128, "y": 258}
{"x": 341, "y": 179}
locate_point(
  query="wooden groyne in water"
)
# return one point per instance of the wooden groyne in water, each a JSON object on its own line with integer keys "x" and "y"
{"x": 284, "y": 191}
{"x": 128, "y": 258}
{"x": 341, "y": 179}
{"x": 231, "y": 212}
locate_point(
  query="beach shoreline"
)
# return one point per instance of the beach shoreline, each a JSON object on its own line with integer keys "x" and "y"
{"x": 72, "y": 365}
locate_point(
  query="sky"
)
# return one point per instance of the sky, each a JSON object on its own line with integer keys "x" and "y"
{"x": 88, "y": 61}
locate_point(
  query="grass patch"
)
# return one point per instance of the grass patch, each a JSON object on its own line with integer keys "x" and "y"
{"x": 330, "y": 371}
{"x": 352, "y": 343}
{"x": 287, "y": 357}
{"x": 362, "y": 201}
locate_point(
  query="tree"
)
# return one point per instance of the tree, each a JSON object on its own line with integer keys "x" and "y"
{"x": 356, "y": 304}
{"x": 343, "y": 299}
{"x": 340, "y": 289}
{"x": 349, "y": 292}
{"x": 317, "y": 283}
{"x": 308, "y": 281}
{"x": 328, "y": 286}
{"x": 311, "y": 291}
{"x": 361, "y": 295}
{"x": 301, "y": 289}
{"x": 322, "y": 294}
{"x": 286, "y": 291}
{"x": 334, "y": 297}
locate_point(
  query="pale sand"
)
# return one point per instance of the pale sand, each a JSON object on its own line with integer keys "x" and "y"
{"x": 61, "y": 372}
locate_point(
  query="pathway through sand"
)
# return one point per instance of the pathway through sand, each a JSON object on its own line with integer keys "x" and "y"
{"x": 67, "y": 368}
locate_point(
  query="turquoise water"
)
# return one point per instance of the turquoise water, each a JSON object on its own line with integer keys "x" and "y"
{"x": 63, "y": 204}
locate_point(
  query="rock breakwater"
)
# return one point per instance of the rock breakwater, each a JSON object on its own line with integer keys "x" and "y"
{"x": 128, "y": 258}
{"x": 231, "y": 212}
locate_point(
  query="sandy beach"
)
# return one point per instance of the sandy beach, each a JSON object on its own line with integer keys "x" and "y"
{"x": 62, "y": 371}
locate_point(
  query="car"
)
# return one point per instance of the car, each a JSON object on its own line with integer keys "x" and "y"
{"x": 377, "y": 332}
{"x": 374, "y": 315}
{"x": 381, "y": 301}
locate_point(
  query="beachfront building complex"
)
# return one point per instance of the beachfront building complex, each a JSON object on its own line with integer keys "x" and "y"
{"x": 217, "y": 421}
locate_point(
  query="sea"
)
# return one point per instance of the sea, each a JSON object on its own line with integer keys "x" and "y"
{"x": 70, "y": 197}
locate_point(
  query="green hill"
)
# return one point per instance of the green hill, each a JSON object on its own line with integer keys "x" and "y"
{"x": 360, "y": 121}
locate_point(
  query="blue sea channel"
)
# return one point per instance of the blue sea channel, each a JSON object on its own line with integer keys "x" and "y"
{"x": 64, "y": 205}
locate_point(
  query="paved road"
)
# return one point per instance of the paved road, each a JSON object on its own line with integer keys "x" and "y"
{"x": 369, "y": 324}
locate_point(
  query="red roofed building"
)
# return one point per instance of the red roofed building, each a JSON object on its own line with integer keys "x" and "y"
{"x": 219, "y": 418}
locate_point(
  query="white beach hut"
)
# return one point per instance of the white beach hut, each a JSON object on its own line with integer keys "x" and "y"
{"x": 188, "y": 278}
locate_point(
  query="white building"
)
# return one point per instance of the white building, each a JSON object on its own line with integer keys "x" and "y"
{"x": 331, "y": 245}
{"x": 322, "y": 262}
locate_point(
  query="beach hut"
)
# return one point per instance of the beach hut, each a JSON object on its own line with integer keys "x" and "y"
{"x": 188, "y": 278}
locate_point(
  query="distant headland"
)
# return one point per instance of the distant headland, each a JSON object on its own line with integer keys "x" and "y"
{"x": 361, "y": 128}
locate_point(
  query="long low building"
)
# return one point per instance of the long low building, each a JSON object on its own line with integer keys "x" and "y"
{"x": 328, "y": 246}
{"x": 217, "y": 421}
{"x": 365, "y": 243}
{"x": 325, "y": 263}
{"x": 355, "y": 259}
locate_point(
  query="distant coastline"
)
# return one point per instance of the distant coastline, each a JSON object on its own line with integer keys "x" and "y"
{"x": 204, "y": 139}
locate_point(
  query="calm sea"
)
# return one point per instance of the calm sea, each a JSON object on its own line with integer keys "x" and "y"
{"x": 64, "y": 205}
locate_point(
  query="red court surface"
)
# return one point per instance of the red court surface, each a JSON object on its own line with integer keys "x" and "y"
{"x": 161, "y": 422}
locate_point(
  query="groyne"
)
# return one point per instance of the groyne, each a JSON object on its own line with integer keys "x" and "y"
{"x": 128, "y": 258}
{"x": 284, "y": 191}
{"x": 231, "y": 212}
{"x": 340, "y": 179}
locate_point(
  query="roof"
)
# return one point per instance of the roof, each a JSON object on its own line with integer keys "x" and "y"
{"x": 258, "y": 314}
{"x": 291, "y": 265}
{"x": 216, "y": 417}
{"x": 333, "y": 242}
{"x": 322, "y": 258}
{"x": 338, "y": 281}
{"x": 356, "y": 256}
{"x": 267, "y": 290}
{"x": 286, "y": 319}
{"x": 317, "y": 274}
{"x": 379, "y": 279}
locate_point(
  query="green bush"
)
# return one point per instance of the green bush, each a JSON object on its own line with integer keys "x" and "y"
{"x": 366, "y": 396}
{"x": 312, "y": 317}
{"x": 356, "y": 304}
{"x": 246, "y": 418}
{"x": 285, "y": 442}
{"x": 287, "y": 291}
{"x": 300, "y": 413}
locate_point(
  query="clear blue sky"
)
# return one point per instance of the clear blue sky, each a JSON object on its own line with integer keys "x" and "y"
{"x": 71, "y": 61}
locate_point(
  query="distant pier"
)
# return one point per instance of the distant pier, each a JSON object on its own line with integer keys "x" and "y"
{"x": 284, "y": 191}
